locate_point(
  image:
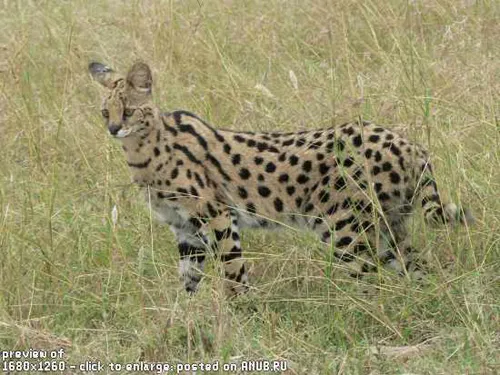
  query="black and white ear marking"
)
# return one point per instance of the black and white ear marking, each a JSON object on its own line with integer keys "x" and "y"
{"x": 95, "y": 68}
{"x": 102, "y": 73}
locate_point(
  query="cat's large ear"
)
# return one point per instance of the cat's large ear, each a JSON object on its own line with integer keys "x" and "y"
{"x": 139, "y": 82}
{"x": 140, "y": 78}
{"x": 103, "y": 74}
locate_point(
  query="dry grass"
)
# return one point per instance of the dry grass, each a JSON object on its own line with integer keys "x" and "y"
{"x": 70, "y": 278}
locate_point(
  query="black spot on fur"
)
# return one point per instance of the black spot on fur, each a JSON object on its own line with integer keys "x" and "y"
{"x": 262, "y": 146}
{"x": 199, "y": 181}
{"x": 343, "y": 241}
{"x": 340, "y": 183}
{"x": 347, "y": 203}
{"x": 395, "y": 178}
{"x": 383, "y": 196}
{"x": 340, "y": 145}
{"x": 251, "y": 208}
{"x": 183, "y": 191}
{"x": 270, "y": 167}
{"x": 347, "y": 162}
{"x": 324, "y": 196}
{"x": 306, "y": 166}
{"x": 298, "y": 202}
{"x": 264, "y": 191}
{"x": 278, "y": 204}
{"x": 300, "y": 142}
{"x": 357, "y": 174}
{"x": 242, "y": 192}
{"x": 386, "y": 167}
{"x": 211, "y": 210}
{"x": 394, "y": 149}
{"x": 174, "y": 174}
{"x": 193, "y": 191}
{"x": 302, "y": 179}
{"x": 315, "y": 145}
{"x": 401, "y": 162}
{"x": 357, "y": 141}
{"x": 348, "y": 131}
{"x": 332, "y": 209}
{"x": 244, "y": 173}
{"x": 236, "y": 159}
{"x": 283, "y": 178}
{"x": 340, "y": 224}
{"x": 222, "y": 234}
{"x": 323, "y": 168}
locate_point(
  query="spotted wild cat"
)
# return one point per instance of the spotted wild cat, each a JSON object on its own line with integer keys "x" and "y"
{"x": 207, "y": 183}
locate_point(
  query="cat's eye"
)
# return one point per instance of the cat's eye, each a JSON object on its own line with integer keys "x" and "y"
{"x": 128, "y": 112}
{"x": 105, "y": 113}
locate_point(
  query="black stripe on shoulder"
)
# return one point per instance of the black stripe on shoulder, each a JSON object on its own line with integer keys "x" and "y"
{"x": 140, "y": 165}
{"x": 188, "y": 128}
{"x": 217, "y": 135}
{"x": 186, "y": 152}
{"x": 178, "y": 117}
{"x": 217, "y": 165}
{"x": 178, "y": 114}
{"x": 168, "y": 127}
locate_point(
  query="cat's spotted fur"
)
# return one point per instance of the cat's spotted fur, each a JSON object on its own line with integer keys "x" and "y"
{"x": 354, "y": 185}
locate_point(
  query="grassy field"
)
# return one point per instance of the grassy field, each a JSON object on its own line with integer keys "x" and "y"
{"x": 107, "y": 290}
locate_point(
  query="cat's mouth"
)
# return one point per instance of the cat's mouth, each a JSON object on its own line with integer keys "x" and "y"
{"x": 122, "y": 133}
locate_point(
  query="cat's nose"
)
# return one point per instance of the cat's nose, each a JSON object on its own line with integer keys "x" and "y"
{"x": 114, "y": 129}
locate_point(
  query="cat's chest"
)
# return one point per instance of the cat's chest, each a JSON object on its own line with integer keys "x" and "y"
{"x": 165, "y": 209}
